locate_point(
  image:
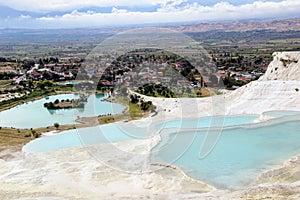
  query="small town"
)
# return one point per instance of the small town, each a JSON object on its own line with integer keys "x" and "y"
{"x": 20, "y": 77}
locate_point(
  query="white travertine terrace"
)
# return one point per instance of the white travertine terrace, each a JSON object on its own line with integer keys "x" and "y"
{"x": 74, "y": 174}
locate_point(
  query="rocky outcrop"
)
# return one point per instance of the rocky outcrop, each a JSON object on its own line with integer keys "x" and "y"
{"x": 285, "y": 67}
{"x": 261, "y": 96}
{"x": 277, "y": 89}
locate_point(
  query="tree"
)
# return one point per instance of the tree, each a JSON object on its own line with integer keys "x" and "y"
{"x": 47, "y": 75}
{"x": 145, "y": 106}
{"x": 30, "y": 84}
{"x": 134, "y": 99}
{"x": 56, "y": 125}
{"x": 41, "y": 85}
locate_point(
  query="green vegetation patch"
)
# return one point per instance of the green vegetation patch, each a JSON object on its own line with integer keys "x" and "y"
{"x": 155, "y": 90}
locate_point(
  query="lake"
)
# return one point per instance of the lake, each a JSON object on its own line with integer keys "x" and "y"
{"x": 34, "y": 115}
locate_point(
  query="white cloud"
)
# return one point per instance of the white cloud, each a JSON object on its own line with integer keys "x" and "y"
{"x": 191, "y": 12}
{"x": 59, "y": 5}
{"x": 115, "y": 10}
{"x": 46, "y": 19}
{"x": 24, "y": 17}
{"x": 169, "y": 11}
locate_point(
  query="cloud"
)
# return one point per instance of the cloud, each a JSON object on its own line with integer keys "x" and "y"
{"x": 190, "y": 12}
{"x": 172, "y": 12}
{"x": 25, "y": 17}
{"x": 115, "y": 10}
{"x": 46, "y": 19}
{"x": 63, "y": 5}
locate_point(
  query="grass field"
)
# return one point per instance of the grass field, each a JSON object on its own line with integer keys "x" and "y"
{"x": 5, "y": 82}
{"x": 14, "y": 137}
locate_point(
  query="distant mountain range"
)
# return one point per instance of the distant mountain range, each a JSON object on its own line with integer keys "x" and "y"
{"x": 245, "y": 25}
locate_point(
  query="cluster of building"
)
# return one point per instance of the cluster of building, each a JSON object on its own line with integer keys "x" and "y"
{"x": 135, "y": 71}
{"x": 56, "y": 72}
{"x": 249, "y": 69}
{"x": 158, "y": 71}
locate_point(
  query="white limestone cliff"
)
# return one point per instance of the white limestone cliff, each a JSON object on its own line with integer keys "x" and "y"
{"x": 277, "y": 89}
{"x": 285, "y": 66}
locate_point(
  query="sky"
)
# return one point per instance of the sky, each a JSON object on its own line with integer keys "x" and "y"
{"x": 107, "y": 13}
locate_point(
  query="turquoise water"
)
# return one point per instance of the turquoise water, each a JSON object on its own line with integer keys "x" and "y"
{"x": 244, "y": 150}
{"x": 205, "y": 122}
{"x": 109, "y": 133}
{"x": 239, "y": 156}
{"x": 34, "y": 115}
{"x": 117, "y": 132}
{"x": 280, "y": 113}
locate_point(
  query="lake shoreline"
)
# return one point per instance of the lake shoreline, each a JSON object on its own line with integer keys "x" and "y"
{"x": 82, "y": 122}
{"x": 20, "y": 102}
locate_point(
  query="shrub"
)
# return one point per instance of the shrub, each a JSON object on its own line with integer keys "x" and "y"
{"x": 56, "y": 125}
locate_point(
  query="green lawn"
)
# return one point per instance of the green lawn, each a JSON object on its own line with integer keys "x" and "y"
{"x": 5, "y": 82}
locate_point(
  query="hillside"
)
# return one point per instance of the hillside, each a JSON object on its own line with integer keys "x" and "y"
{"x": 284, "y": 67}
{"x": 277, "y": 89}
{"x": 242, "y": 26}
